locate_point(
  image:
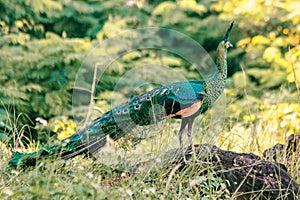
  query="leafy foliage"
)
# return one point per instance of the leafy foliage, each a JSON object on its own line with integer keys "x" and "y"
{"x": 44, "y": 43}
{"x": 74, "y": 18}
{"x": 268, "y": 31}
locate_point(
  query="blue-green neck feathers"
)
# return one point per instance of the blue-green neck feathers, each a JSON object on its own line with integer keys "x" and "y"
{"x": 222, "y": 59}
{"x": 215, "y": 86}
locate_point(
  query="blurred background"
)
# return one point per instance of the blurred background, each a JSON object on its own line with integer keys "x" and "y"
{"x": 43, "y": 44}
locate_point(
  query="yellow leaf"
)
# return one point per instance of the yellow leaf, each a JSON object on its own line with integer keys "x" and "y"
{"x": 131, "y": 56}
{"x": 23, "y": 38}
{"x": 271, "y": 53}
{"x": 259, "y": 39}
{"x": 283, "y": 63}
{"x": 281, "y": 42}
{"x": 170, "y": 61}
{"x": 294, "y": 40}
{"x": 19, "y": 24}
{"x": 291, "y": 78}
{"x": 163, "y": 8}
{"x": 244, "y": 42}
{"x": 187, "y": 3}
{"x": 272, "y": 35}
{"x": 285, "y": 31}
{"x": 249, "y": 118}
{"x": 193, "y": 6}
{"x": 63, "y": 127}
{"x": 3, "y": 148}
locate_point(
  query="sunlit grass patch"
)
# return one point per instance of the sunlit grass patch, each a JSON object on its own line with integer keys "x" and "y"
{"x": 258, "y": 131}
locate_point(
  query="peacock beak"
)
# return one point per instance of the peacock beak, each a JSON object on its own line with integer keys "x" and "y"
{"x": 228, "y": 45}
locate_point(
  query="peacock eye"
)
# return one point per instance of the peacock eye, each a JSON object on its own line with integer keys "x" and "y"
{"x": 126, "y": 110}
{"x": 148, "y": 98}
{"x": 137, "y": 107}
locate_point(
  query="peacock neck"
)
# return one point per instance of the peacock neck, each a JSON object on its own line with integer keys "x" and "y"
{"x": 216, "y": 84}
{"x": 222, "y": 60}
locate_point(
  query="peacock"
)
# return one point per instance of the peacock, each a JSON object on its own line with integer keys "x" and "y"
{"x": 181, "y": 100}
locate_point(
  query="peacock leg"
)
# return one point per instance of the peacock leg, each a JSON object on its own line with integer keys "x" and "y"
{"x": 190, "y": 132}
{"x": 180, "y": 135}
{"x": 181, "y": 131}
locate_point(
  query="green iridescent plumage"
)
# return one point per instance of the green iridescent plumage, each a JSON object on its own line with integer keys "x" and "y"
{"x": 184, "y": 100}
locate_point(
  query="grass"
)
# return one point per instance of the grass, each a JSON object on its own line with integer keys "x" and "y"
{"x": 88, "y": 179}
{"x": 85, "y": 179}
{"x": 81, "y": 178}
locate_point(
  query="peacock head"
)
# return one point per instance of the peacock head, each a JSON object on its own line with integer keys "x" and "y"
{"x": 222, "y": 49}
{"x": 224, "y": 45}
{"x": 226, "y": 42}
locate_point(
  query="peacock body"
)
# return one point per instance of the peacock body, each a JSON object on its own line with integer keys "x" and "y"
{"x": 182, "y": 100}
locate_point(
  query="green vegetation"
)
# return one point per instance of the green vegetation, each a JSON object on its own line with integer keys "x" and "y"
{"x": 44, "y": 43}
